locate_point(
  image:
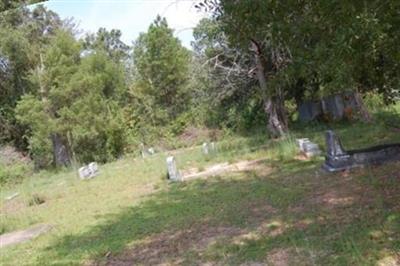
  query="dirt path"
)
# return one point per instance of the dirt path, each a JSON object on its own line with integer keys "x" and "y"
{"x": 218, "y": 169}
{"x": 23, "y": 235}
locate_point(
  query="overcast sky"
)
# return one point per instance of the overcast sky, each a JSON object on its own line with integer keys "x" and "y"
{"x": 130, "y": 16}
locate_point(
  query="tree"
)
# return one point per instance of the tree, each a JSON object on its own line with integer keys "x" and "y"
{"x": 13, "y": 4}
{"x": 109, "y": 42}
{"x": 23, "y": 33}
{"x": 57, "y": 66}
{"x": 321, "y": 47}
{"x": 161, "y": 72}
{"x": 76, "y": 110}
{"x": 226, "y": 77}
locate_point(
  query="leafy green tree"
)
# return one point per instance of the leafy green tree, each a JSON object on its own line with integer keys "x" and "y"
{"x": 161, "y": 73}
{"x": 23, "y": 34}
{"x": 224, "y": 79}
{"x": 76, "y": 111}
{"x": 318, "y": 47}
{"x": 97, "y": 127}
{"x": 13, "y": 4}
{"x": 59, "y": 63}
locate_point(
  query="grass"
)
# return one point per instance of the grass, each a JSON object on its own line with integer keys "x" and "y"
{"x": 283, "y": 211}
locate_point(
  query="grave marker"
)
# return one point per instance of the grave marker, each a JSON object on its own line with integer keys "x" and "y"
{"x": 173, "y": 173}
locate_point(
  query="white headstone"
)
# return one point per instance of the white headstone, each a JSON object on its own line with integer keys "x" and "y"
{"x": 205, "y": 148}
{"x": 88, "y": 171}
{"x": 84, "y": 172}
{"x": 151, "y": 151}
{"x": 173, "y": 173}
{"x": 212, "y": 146}
{"x": 300, "y": 143}
{"x": 93, "y": 169}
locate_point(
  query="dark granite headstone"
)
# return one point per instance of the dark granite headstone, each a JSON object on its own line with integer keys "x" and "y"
{"x": 333, "y": 106}
{"x": 309, "y": 111}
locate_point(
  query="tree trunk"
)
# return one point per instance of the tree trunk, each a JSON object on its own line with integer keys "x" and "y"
{"x": 273, "y": 106}
{"x": 365, "y": 115}
{"x": 61, "y": 152}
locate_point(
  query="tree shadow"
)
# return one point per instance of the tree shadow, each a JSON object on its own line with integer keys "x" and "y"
{"x": 239, "y": 218}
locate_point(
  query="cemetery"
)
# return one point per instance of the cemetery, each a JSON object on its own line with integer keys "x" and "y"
{"x": 199, "y": 132}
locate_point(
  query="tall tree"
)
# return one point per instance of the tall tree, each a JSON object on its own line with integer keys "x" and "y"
{"x": 161, "y": 71}
{"x": 108, "y": 41}
{"x": 23, "y": 34}
{"x": 58, "y": 64}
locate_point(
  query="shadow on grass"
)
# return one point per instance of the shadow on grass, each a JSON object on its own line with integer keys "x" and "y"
{"x": 248, "y": 217}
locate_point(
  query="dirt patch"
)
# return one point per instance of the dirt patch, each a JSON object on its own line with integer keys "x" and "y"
{"x": 12, "y": 206}
{"x": 23, "y": 235}
{"x": 168, "y": 247}
{"x": 279, "y": 257}
{"x": 218, "y": 169}
{"x": 9, "y": 155}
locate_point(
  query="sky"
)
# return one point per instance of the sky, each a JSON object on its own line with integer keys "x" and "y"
{"x": 130, "y": 16}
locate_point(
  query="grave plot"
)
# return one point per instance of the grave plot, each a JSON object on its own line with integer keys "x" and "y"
{"x": 338, "y": 159}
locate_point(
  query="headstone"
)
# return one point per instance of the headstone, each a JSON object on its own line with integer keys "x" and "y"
{"x": 300, "y": 143}
{"x": 213, "y": 147}
{"x": 173, "y": 173}
{"x": 333, "y": 106}
{"x": 333, "y": 144}
{"x": 84, "y": 172}
{"x": 151, "y": 151}
{"x": 93, "y": 167}
{"x": 307, "y": 147}
{"x": 142, "y": 150}
{"x": 309, "y": 111}
{"x": 311, "y": 149}
{"x": 205, "y": 148}
{"x": 88, "y": 171}
{"x": 338, "y": 159}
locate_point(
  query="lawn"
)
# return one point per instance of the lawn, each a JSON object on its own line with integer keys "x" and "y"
{"x": 285, "y": 211}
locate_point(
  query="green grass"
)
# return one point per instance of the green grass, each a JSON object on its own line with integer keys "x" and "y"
{"x": 285, "y": 210}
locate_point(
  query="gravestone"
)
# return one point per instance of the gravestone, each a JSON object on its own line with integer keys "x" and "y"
{"x": 205, "y": 148}
{"x": 311, "y": 149}
{"x": 173, "y": 173}
{"x": 94, "y": 168}
{"x": 338, "y": 159}
{"x": 334, "y": 106}
{"x": 88, "y": 171}
{"x": 308, "y": 148}
{"x": 151, "y": 151}
{"x": 309, "y": 110}
{"x": 300, "y": 143}
{"x": 213, "y": 147}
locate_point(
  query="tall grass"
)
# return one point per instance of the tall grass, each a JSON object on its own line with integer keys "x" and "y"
{"x": 284, "y": 149}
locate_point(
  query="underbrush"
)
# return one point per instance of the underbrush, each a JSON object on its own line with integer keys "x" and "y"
{"x": 14, "y": 166}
